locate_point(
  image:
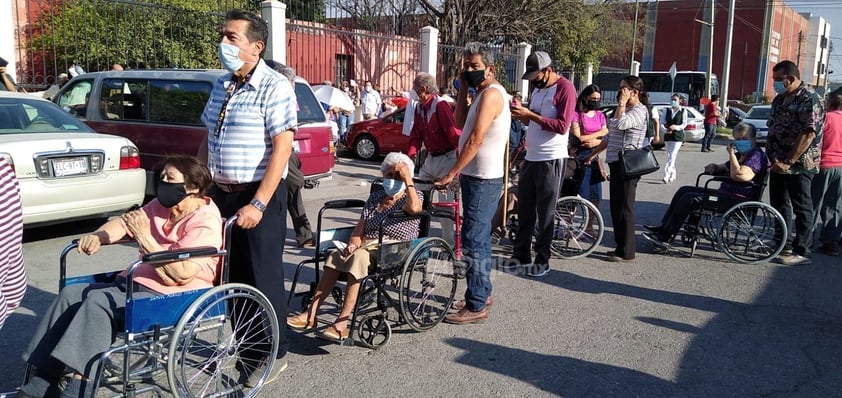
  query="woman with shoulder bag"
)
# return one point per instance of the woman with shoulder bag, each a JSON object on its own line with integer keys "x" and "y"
{"x": 674, "y": 136}
{"x": 626, "y": 130}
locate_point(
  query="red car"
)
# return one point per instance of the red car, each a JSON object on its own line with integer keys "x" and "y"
{"x": 369, "y": 138}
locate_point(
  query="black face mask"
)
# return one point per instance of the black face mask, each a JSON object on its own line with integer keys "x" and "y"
{"x": 170, "y": 193}
{"x": 593, "y": 105}
{"x": 541, "y": 83}
{"x": 474, "y": 78}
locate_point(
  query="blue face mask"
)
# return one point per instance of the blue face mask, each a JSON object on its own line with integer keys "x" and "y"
{"x": 742, "y": 146}
{"x": 779, "y": 87}
{"x": 229, "y": 56}
{"x": 393, "y": 187}
{"x": 674, "y": 103}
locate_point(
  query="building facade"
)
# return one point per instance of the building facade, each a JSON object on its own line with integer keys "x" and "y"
{"x": 765, "y": 32}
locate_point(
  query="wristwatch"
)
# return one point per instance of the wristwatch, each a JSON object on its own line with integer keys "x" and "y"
{"x": 258, "y": 204}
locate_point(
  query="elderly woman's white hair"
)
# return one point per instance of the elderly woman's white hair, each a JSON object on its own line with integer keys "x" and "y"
{"x": 395, "y": 158}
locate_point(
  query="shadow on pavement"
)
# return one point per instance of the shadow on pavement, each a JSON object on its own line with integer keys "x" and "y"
{"x": 560, "y": 375}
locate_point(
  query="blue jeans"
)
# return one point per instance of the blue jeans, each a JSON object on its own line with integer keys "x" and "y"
{"x": 710, "y": 132}
{"x": 479, "y": 200}
{"x": 827, "y": 204}
{"x": 344, "y": 122}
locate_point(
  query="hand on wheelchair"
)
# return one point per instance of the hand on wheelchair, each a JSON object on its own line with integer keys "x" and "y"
{"x": 89, "y": 244}
{"x": 248, "y": 217}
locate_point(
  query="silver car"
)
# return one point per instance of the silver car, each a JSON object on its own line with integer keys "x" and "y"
{"x": 66, "y": 170}
{"x": 757, "y": 117}
{"x": 695, "y": 129}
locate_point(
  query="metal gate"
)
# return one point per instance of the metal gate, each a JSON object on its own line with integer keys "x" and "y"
{"x": 54, "y": 36}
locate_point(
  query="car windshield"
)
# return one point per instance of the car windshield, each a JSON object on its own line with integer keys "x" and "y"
{"x": 309, "y": 109}
{"x": 21, "y": 115}
{"x": 758, "y": 113}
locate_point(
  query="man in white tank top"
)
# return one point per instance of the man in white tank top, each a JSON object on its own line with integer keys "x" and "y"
{"x": 552, "y": 107}
{"x": 485, "y": 131}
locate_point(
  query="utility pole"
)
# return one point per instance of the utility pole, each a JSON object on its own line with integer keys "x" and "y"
{"x": 798, "y": 54}
{"x": 710, "y": 52}
{"x": 726, "y": 68}
{"x": 634, "y": 36}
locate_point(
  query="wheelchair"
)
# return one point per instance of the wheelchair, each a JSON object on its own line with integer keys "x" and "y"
{"x": 410, "y": 283}
{"x": 746, "y": 230}
{"x": 578, "y": 225}
{"x": 189, "y": 336}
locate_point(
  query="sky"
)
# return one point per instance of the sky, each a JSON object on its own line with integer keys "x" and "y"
{"x": 831, "y": 11}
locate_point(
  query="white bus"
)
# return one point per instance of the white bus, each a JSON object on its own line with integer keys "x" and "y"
{"x": 660, "y": 86}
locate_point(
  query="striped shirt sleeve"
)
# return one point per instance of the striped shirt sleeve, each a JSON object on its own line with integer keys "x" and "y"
{"x": 12, "y": 272}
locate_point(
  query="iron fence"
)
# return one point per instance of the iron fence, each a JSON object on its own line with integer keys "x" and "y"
{"x": 52, "y": 36}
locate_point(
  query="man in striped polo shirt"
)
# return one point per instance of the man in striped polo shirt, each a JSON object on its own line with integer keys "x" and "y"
{"x": 251, "y": 119}
{"x": 12, "y": 272}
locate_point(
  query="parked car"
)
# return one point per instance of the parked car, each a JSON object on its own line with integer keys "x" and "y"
{"x": 66, "y": 170}
{"x": 757, "y": 117}
{"x": 694, "y": 131}
{"x": 370, "y": 138}
{"x": 734, "y": 117}
{"x": 160, "y": 110}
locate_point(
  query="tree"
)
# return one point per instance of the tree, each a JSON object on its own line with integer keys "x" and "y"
{"x": 151, "y": 34}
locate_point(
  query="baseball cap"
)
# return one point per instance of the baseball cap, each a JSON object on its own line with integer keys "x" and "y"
{"x": 534, "y": 63}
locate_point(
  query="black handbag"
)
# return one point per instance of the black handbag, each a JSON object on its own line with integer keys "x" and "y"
{"x": 638, "y": 162}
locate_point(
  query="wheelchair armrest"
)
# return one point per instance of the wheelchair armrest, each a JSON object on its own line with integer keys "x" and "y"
{"x": 403, "y": 214}
{"x": 344, "y": 203}
{"x": 166, "y": 256}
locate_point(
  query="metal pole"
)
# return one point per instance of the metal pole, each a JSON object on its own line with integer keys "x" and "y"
{"x": 726, "y": 68}
{"x": 634, "y": 37}
{"x": 710, "y": 53}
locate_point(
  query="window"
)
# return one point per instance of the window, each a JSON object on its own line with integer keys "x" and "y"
{"x": 179, "y": 102}
{"x": 122, "y": 99}
{"x": 75, "y": 99}
{"x": 309, "y": 109}
{"x": 342, "y": 67}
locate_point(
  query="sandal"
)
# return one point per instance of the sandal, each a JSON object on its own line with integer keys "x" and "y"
{"x": 295, "y": 323}
{"x": 333, "y": 334}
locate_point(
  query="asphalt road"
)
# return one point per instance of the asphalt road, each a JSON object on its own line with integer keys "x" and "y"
{"x": 660, "y": 326}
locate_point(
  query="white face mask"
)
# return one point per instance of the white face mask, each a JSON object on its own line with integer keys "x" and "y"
{"x": 368, "y": 88}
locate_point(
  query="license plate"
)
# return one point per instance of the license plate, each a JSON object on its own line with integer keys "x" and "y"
{"x": 70, "y": 167}
{"x": 296, "y": 146}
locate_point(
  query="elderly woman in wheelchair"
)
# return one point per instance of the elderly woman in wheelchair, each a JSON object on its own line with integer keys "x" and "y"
{"x": 81, "y": 322}
{"x": 746, "y": 163}
{"x": 354, "y": 259}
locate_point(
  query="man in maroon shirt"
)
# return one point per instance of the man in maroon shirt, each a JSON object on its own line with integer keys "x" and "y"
{"x": 435, "y": 127}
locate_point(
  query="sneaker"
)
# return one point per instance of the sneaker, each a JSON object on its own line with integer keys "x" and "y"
{"x": 255, "y": 375}
{"x": 831, "y": 249}
{"x": 795, "y": 259}
{"x": 536, "y": 270}
{"x": 787, "y": 251}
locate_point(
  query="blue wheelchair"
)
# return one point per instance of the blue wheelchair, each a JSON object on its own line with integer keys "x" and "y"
{"x": 200, "y": 339}
{"x": 410, "y": 283}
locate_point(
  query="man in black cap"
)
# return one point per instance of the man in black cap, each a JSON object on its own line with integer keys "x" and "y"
{"x": 6, "y": 81}
{"x": 552, "y": 106}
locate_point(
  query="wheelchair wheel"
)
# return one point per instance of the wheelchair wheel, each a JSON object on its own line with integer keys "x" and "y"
{"x": 427, "y": 284}
{"x": 752, "y": 232}
{"x": 374, "y": 331}
{"x": 227, "y": 333}
{"x": 578, "y": 228}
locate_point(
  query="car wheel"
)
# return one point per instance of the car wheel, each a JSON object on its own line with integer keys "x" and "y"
{"x": 365, "y": 147}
